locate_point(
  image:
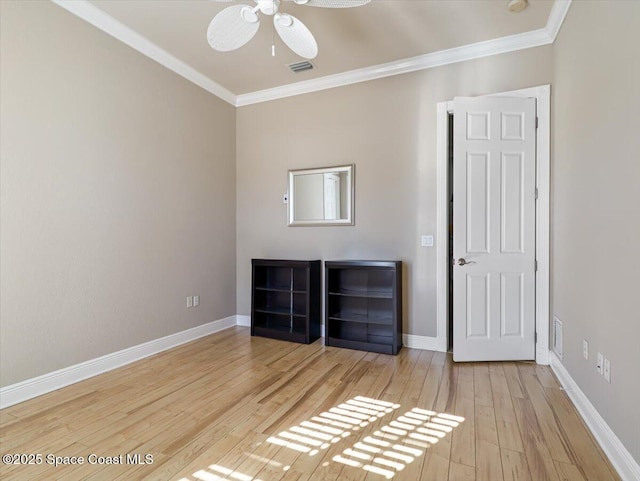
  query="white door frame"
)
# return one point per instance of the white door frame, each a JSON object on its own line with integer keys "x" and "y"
{"x": 542, "y": 94}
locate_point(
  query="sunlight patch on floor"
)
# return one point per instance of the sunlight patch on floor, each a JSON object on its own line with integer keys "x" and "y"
{"x": 216, "y": 472}
{"x": 395, "y": 445}
{"x": 385, "y": 451}
{"x": 332, "y": 426}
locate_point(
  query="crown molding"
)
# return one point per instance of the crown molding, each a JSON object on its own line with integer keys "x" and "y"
{"x": 511, "y": 43}
{"x": 556, "y": 17}
{"x": 534, "y": 38}
{"x": 108, "y": 24}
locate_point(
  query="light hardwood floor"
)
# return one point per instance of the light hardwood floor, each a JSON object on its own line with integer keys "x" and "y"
{"x": 233, "y": 407}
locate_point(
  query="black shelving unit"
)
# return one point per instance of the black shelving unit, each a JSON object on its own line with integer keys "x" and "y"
{"x": 363, "y": 305}
{"x": 285, "y": 300}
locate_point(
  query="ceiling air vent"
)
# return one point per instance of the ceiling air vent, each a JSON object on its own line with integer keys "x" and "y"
{"x": 298, "y": 67}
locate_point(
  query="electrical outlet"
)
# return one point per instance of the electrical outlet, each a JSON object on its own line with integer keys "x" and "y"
{"x": 607, "y": 370}
{"x": 600, "y": 364}
{"x": 189, "y": 302}
{"x": 196, "y": 301}
{"x": 585, "y": 349}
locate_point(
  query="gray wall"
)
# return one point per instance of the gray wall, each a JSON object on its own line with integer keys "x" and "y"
{"x": 596, "y": 204}
{"x": 387, "y": 128}
{"x": 117, "y": 195}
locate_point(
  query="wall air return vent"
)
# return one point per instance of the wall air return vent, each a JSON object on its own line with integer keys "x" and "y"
{"x": 298, "y": 67}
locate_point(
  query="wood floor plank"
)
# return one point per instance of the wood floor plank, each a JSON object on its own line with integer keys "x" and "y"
{"x": 232, "y": 406}
{"x": 316, "y": 415}
{"x": 417, "y": 381}
{"x": 436, "y": 467}
{"x": 557, "y": 444}
{"x": 461, "y": 472}
{"x": 306, "y": 412}
{"x": 488, "y": 462}
{"x": 463, "y": 449}
{"x": 369, "y": 387}
{"x": 448, "y": 381}
{"x": 482, "y": 384}
{"x": 588, "y": 455}
{"x": 568, "y": 472}
{"x": 506, "y": 422}
{"x": 86, "y": 470}
{"x": 192, "y": 459}
{"x": 512, "y": 375}
{"x": 6, "y": 418}
{"x": 443, "y": 378}
{"x": 539, "y": 459}
{"x": 514, "y": 465}
{"x": 546, "y": 377}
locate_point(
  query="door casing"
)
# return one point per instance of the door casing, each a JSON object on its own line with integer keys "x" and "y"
{"x": 542, "y": 94}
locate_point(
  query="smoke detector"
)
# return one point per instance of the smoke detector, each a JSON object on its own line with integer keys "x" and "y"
{"x": 517, "y": 5}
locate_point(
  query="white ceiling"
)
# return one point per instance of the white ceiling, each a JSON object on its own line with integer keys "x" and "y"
{"x": 368, "y": 39}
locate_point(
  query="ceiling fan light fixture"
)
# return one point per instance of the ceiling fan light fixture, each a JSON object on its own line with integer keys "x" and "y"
{"x": 300, "y": 2}
{"x": 249, "y": 15}
{"x": 283, "y": 19}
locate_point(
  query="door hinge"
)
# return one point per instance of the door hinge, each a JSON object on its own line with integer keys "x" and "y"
{"x": 535, "y": 337}
{"x": 536, "y": 193}
{"x": 536, "y": 122}
{"x": 535, "y": 265}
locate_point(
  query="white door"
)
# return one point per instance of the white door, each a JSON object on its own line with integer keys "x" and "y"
{"x": 331, "y": 196}
{"x": 494, "y": 178}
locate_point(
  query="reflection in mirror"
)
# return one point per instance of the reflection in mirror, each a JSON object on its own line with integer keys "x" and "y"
{"x": 321, "y": 196}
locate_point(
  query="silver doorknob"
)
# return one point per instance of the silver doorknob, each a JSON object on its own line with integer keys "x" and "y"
{"x": 462, "y": 261}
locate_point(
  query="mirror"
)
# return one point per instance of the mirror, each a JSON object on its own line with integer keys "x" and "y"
{"x": 321, "y": 196}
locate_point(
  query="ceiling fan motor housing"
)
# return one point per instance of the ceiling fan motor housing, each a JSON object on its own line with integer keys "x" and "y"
{"x": 268, "y": 7}
{"x": 234, "y": 26}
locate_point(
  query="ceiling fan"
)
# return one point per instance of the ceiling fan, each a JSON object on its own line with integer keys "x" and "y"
{"x": 236, "y": 25}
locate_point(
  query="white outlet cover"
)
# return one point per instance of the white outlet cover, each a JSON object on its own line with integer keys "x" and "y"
{"x": 599, "y": 364}
{"x": 426, "y": 241}
{"x": 196, "y": 301}
{"x": 607, "y": 370}
{"x": 189, "y": 302}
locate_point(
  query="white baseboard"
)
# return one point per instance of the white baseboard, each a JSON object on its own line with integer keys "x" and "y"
{"x": 620, "y": 458}
{"x": 408, "y": 340}
{"x": 425, "y": 343}
{"x": 37, "y": 386}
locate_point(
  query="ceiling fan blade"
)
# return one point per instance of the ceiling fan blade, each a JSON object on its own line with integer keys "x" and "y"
{"x": 332, "y": 3}
{"x": 295, "y": 35}
{"x": 232, "y": 28}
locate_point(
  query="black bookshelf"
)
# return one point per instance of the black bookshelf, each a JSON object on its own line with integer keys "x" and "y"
{"x": 285, "y": 300}
{"x": 363, "y": 305}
